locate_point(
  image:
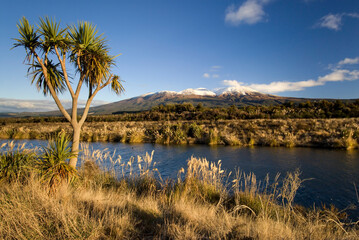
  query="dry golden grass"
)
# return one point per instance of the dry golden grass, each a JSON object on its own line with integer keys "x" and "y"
{"x": 330, "y": 133}
{"x": 135, "y": 203}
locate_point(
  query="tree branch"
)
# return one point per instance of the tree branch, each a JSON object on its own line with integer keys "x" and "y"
{"x": 87, "y": 106}
{"x": 107, "y": 82}
{"x": 63, "y": 66}
{"x": 82, "y": 76}
{"x": 91, "y": 97}
{"x": 79, "y": 85}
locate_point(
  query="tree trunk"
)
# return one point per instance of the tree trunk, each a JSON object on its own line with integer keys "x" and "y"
{"x": 75, "y": 145}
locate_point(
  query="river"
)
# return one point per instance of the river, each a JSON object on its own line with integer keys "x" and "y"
{"x": 333, "y": 173}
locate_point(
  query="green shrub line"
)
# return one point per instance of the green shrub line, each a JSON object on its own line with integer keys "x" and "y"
{"x": 316, "y": 109}
{"x": 45, "y": 199}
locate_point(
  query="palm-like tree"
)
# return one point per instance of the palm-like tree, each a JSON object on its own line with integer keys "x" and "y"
{"x": 54, "y": 74}
{"x": 84, "y": 48}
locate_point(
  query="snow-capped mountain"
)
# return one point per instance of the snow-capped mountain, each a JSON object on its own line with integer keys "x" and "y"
{"x": 242, "y": 90}
{"x": 239, "y": 96}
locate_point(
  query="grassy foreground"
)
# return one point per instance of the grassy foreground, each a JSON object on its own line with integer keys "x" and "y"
{"x": 328, "y": 133}
{"x": 41, "y": 199}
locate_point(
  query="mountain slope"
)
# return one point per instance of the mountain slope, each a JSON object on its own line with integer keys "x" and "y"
{"x": 220, "y": 98}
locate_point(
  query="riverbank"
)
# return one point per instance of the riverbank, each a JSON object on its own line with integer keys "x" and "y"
{"x": 135, "y": 203}
{"x": 326, "y": 133}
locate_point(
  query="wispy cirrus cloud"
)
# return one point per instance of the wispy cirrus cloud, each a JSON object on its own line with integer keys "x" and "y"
{"x": 17, "y": 105}
{"x": 250, "y": 12}
{"x": 336, "y": 75}
{"x": 334, "y": 21}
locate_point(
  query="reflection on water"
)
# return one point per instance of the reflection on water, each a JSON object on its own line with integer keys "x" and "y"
{"x": 333, "y": 172}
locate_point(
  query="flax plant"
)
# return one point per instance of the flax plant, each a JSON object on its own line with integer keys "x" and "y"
{"x": 53, "y": 164}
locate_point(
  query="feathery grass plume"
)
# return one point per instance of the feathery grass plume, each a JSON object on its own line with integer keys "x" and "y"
{"x": 101, "y": 168}
{"x": 15, "y": 161}
{"x": 98, "y": 168}
{"x": 204, "y": 180}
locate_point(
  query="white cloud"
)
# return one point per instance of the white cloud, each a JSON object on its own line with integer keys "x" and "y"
{"x": 276, "y": 87}
{"x": 250, "y": 12}
{"x": 233, "y": 83}
{"x": 334, "y": 21}
{"x": 206, "y": 75}
{"x": 16, "y": 105}
{"x": 349, "y": 61}
{"x": 340, "y": 75}
{"x": 331, "y": 21}
{"x": 337, "y": 75}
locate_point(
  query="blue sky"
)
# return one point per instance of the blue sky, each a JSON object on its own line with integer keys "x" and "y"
{"x": 299, "y": 48}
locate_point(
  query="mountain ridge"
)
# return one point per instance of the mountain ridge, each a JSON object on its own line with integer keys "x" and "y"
{"x": 220, "y": 98}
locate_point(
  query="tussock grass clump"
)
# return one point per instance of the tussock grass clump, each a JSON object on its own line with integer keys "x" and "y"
{"x": 115, "y": 199}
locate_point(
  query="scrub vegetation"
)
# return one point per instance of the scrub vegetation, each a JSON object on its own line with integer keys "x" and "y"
{"x": 327, "y": 133}
{"x": 111, "y": 198}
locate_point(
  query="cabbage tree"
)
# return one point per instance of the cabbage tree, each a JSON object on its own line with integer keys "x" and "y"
{"x": 50, "y": 50}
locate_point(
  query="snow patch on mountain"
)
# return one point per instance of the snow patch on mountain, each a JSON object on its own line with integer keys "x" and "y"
{"x": 235, "y": 87}
{"x": 198, "y": 92}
